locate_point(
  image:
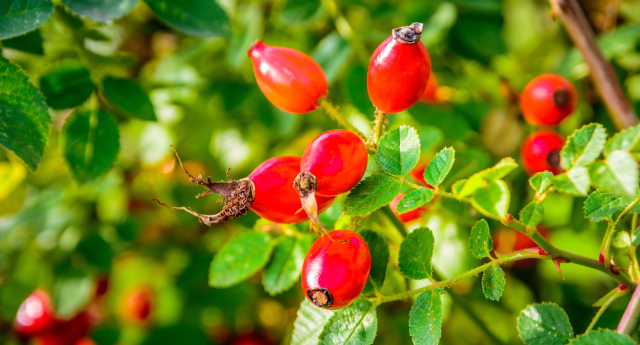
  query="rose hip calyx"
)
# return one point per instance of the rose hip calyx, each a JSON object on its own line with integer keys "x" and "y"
{"x": 320, "y": 297}
{"x": 408, "y": 34}
{"x": 238, "y": 196}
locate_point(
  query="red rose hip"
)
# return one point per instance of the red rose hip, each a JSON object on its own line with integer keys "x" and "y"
{"x": 36, "y": 314}
{"x": 332, "y": 164}
{"x": 399, "y": 70}
{"x": 540, "y": 151}
{"x": 291, "y": 80}
{"x": 430, "y": 94}
{"x": 548, "y": 99}
{"x": 336, "y": 269}
{"x": 267, "y": 191}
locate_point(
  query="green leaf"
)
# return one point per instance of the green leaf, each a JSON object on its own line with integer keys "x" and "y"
{"x": 541, "y": 181}
{"x": 573, "y": 182}
{"x": 309, "y": 324}
{"x": 24, "y": 117}
{"x": 626, "y": 140}
{"x": 493, "y": 200}
{"x": 72, "y": 294}
{"x": 398, "y": 151}
{"x": 239, "y": 259}
{"x": 415, "y": 199}
{"x": 284, "y": 268}
{"x": 493, "y": 282}
{"x": 101, "y": 10}
{"x": 415, "y": 254}
{"x": 354, "y": 325}
{"x": 457, "y": 186}
{"x": 30, "y": 42}
{"x": 500, "y": 170}
{"x": 439, "y": 167}
{"x": 479, "y": 180}
{"x": 371, "y": 193}
{"x": 89, "y": 143}
{"x": 129, "y": 98}
{"x": 425, "y": 318}
{"x": 296, "y": 12}
{"x": 602, "y": 337}
{"x": 379, "y": 249}
{"x": 619, "y": 173}
{"x": 583, "y": 146}
{"x": 602, "y": 204}
{"x": 19, "y": 17}
{"x": 480, "y": 242}
{"x": 66, "y": 85}
{"x": 532, "y": 214}
{"x": 544, "y": 324}
{"x": 203, "y": 18}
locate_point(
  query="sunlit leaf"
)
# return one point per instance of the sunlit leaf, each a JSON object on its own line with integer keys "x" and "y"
{"x": 574, "y": 182}
{"x": 398, "y": 151}
{"x": 371, "y": 193}
{"x": 19, "y": 17}
{"x": 541, "y": 181}
{"x": 415, "y": 199}
{"x": 439, "y": 167}
{"x": 480, "y": 242}
{"x": 583, "y": 146}
{"x": 544, "y": 324}
{"x": 493, "y": 282}
{"x": 354, "y": 325}
{"x": 425, "y": 318}
{"x": 309, "y": 324}
{"x": 239, "y": 259}
{"x": 492, "y": 200}
{"x": 415, "y": 254}
{"x": 618, "y": 173}
{"x": 626, "y": 140}
{"x": 532, "y": 214}
{"x": 601, "y": 337}
{"x": 101, "y": 10}
{"x": 23, "y": 114}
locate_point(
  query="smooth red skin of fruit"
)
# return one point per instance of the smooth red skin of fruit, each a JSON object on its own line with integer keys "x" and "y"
{"x": 406, "y": 217}
{"x": 536, "y": 100}
{"x": 36, "y": 314}
{"x": 338, "y": 160}
{"x": 290, "y": 79}
{"x": 536, "y": 148}
{"x": 342, "y": 268}
{"x": 68, "y": 333}
{"x": 504, "y": 243}
{"x": 276, "y": 199}
{"x": 430, "y": 92}
{"x": 398, "y": 75}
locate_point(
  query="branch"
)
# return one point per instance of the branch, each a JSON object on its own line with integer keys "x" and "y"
{"x": 604, "y": 77}
{"x": 629, "y": 320}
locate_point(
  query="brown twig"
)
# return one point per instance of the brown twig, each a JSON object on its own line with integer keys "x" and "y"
{"x": 621, "y": 112}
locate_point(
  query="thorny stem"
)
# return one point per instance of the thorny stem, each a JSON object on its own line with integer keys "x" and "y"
{"x": 379, "y": 125}
{"x": 635, "y": 268}
{"x": 339, "y": 117}
{"x": 629, "y": 321}
{"x": 515, "y": 256}
{"x": 557, "y": 254}
{"x": 603, "y": 75}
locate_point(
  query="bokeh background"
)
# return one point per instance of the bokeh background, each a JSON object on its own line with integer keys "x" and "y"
{"x": 62, "y": 235}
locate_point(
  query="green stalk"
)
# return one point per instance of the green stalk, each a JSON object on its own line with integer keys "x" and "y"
{"x": 339, "y": 117}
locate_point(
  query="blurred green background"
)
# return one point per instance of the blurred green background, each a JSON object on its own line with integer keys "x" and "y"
{"x": 62, "y": 234}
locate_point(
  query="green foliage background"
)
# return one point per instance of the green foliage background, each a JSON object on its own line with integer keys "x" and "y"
{"x": 172, "y": 71}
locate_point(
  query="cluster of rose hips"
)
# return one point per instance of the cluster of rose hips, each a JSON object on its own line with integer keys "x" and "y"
{"x": 292, "y": 189}
{"x": 37, "y": 318}
{"x": 546, "y": 101}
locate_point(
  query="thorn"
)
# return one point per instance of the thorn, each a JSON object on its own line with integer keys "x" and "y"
{"x": 559, "y": 261}
{"x": 228, "y": 175}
